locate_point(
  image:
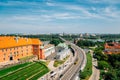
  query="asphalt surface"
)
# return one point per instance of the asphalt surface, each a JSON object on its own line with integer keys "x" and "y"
{"x": 80, "y": 60}
{"x": 71, "y": 71}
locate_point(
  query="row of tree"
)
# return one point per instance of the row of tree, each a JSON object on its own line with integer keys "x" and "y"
{"x": 87, "y": 43}
{"x": 110, "y": 36}
{"x": 56, "y": 41}
{"x": 108, "y": 64}
{"x": 43, "y": 37}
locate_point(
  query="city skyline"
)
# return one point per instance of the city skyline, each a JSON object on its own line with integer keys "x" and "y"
{"x": 54, "y": 16}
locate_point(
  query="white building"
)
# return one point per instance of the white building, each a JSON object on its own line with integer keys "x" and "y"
{"x": 62, "y": 51}
{"x": 63, "y": 54}
{"x": 49, "y": 49}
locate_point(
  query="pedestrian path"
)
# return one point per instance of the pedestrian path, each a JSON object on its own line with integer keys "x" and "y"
{"x": 7, "y": 63}
{"x": 50, "y": 65}
{"x": 95, "y": 72}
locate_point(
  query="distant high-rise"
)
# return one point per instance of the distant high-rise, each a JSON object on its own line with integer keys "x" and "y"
{"x": 81, "y": 35}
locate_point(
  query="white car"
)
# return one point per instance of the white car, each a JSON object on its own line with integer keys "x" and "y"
{"x": 52, "y": 73}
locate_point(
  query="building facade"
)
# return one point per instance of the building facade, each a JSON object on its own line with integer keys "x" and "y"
{"x": 63, "y": 54}
{"x": 112, "y": 48}
{"x": 49, "y": 49}
{"x": 15, "y": 48}
{"x": 62, "y": 51}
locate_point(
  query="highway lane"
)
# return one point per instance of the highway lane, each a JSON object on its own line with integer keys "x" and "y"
{"x": 59, "y": 70}
{"x": 71, "y": 73}
{"x": 72, "y": 70}
{"x": 68, "y": 73}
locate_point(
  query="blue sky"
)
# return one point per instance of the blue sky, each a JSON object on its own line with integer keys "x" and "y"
{"x": 57, "y": 16}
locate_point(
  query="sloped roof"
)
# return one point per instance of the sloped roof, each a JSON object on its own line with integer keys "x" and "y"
{"x": 11, "y": 41}
{"x": 62, "y": 45}
{"x": 48, "y": 46}
{"x": 114, "y": 45}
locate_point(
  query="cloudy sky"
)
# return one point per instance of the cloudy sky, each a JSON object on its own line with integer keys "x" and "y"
{"x": 56, "y": 16}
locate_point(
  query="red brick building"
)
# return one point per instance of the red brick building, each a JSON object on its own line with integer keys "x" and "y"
{"x": 112, "y": 48}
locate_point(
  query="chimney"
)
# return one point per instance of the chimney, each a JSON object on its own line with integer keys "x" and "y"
{"x": 27, "y": 39}
{"x": 16, "y": 38}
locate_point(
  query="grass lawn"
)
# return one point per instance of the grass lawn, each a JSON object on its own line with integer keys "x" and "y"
{"x": 26, "y": 58}
{"x": 88, "y": 69}
{"x": 59, "y": 62}
{"x": 43, "y": 62}
{"x": 13, "y": 68}
{"x": 32, "y": 72}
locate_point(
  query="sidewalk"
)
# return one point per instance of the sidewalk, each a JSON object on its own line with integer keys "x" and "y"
{"x": 50, "y": 65}
{"x": 7, "y": 64}
{"x": 56, "y": 69}
{"x": 95, "y": 72}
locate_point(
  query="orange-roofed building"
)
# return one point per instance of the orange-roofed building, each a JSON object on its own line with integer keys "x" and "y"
{"x": 112, "y": 48}
{"x": 15, "y": 48}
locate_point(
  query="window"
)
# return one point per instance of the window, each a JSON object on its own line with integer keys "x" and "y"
{"x": 14, "y": 54}
{"x": 6, "y": 49}
{"x": 2, "y": 50}
{"x": 4, "y": 55}
{"x": 3, "y": 58}
{"x": 10, "y": 53}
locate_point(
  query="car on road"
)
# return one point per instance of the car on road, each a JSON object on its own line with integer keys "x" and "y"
{"x": 52, "y": 73}
{"x": 61, "y": 75}
{"x": 94, "y": 56}
{"x": 42, "y": 79}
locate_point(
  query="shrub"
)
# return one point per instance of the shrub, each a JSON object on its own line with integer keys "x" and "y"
{"x": 103, "y": 65}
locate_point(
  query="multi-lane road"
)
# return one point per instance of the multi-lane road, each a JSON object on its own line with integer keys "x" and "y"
{"x": 80, "y": 62}
{"x": 71, "y": 71}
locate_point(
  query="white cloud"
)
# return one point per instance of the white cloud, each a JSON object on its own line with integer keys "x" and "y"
{"x": 18, "y": 3}
{"x": 24, "y": 18}
{"x": 50, "y": 4}
{"x": 59, "y": 16}
{"x": 69, "y": 12}
{"x": 84, "y": 12}
{"x": 107, "y": 13}
{"x": 105, "y": 1}
{"x": 11, "y": 3}
{"x": 40, "y": 18}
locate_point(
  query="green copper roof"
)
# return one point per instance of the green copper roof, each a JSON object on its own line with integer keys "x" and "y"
{"x": 63, "y": 45}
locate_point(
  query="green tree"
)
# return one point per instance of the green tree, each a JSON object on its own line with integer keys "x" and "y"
{"x": 114, "y": 60}
{"x": 85, "y": 43}
{"x": 103, "y": 65}
{"x": 56, "y": 41}
{"x": 110, "y": 76}
{"x": 83, "y": 75}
